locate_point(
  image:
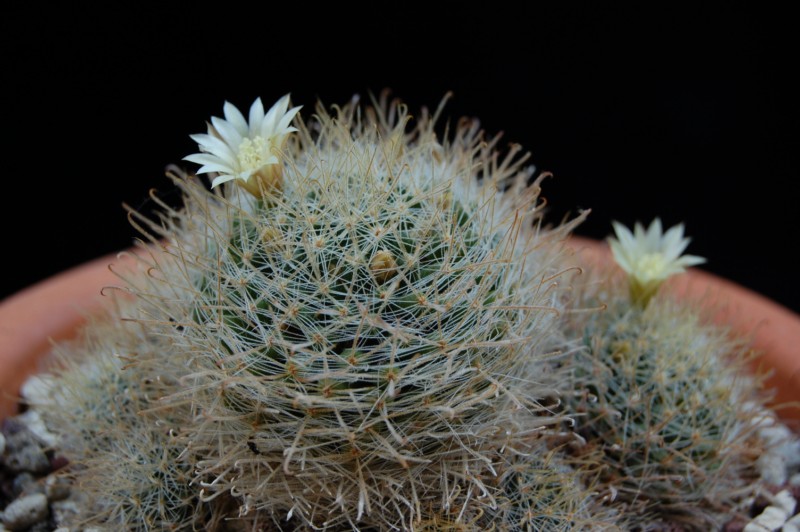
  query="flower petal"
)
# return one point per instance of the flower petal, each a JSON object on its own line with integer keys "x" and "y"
{"x": 236, "y": 118}
{"x": 283, "y": 125}
{"x": 620, "y": 255}
{"x": 690, "y": 260}
{"x": 653, "y": 239}
{"x": 214, "y": 145}
{"x": 222, "y": 179}
{"x": 227, "y": 131}
{"x": 256, "y": 117}
{"x": 270, "y": 125}
{"x": 650, "y": 256}
{"x": 624, "y": 235}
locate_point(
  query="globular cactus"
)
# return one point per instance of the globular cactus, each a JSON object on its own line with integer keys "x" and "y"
{"x": 356, "y": 323}
{"x": 665, "y": 397}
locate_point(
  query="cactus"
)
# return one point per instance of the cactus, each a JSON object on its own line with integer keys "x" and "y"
{"x": 663, "y": 395}
{"x": 126, "y": 459}
{"x": 356, "y": 324}
{"x": 342, "y": 340}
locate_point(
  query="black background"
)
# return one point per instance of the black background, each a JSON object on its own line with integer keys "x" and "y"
{"x": 690, "y": 115}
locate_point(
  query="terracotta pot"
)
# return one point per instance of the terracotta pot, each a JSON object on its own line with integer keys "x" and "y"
{"x": 52, "y": 310}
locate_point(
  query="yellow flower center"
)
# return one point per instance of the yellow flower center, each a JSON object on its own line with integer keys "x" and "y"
{"x": 650, "y": 266}
{"x": 255, "y": 153}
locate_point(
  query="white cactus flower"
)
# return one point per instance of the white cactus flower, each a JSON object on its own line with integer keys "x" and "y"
{"x": 246, "y": 150}
{"x": 650, "y": 256}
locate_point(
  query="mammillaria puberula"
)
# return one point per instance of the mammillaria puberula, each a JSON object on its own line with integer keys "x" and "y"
{"x": 356, "y": 332}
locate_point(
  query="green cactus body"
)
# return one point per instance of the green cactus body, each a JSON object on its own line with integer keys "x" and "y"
{"x": 666, "y": 402}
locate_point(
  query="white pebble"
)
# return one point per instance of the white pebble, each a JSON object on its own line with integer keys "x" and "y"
{"x": 784, "y": 501}
{"x": 793, "y": 522}
{"x": 752, "y": 526}
{"x": 772, "y": 468}
{"x": 775, "y": 432}
{"x": 33, "y": 422}
{"x": 791, "y": 450}
{"x": 25, "y": 511}
{"x": 36, "y": 390}
{"x": 64, "y": 512}
{"x": 790, "y": 527}
{"x": 775, "y": 515}
{"x": 781, "y": 445}
{"x": 772, "y": 518}
{"x": 786, "y": 444}
{"x": 27, "y": 456}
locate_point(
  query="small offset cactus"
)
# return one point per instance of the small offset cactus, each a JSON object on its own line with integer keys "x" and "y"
{"x": 129, "y": 460}
{"x": 664, "y": 397}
